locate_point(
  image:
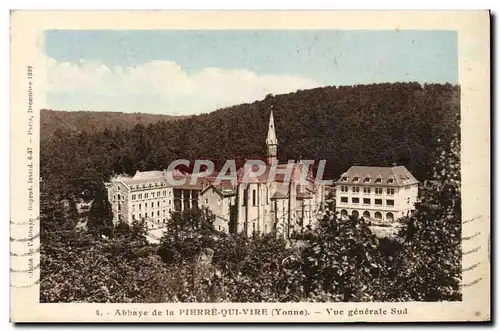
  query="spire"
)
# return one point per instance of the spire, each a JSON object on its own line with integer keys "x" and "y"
{"x": 271, "y": 134}
{"x": 271, "y": 141}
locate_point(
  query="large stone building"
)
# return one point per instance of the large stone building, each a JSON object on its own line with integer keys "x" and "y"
{"x": 379, "y": 193}
{"x": 255, "y": 204}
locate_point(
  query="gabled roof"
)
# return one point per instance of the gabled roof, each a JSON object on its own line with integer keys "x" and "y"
{"x": 400, "y": 175}
{"x": 219, "y": 189}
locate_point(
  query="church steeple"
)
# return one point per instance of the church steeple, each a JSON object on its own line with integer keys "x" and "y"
{"x": 271, "y": 141}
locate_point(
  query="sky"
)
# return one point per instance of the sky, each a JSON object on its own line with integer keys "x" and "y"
{"x": 198, "y": 71}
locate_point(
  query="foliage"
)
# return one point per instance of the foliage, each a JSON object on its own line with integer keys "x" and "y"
{"x": 100, "y": 219}
{"x": 399, "y": 122}
{"x": 341, "y": 260}
{"x": 429, "y": 265}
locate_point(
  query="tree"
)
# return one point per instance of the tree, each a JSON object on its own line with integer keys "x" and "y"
{"x": 100, "y": 215}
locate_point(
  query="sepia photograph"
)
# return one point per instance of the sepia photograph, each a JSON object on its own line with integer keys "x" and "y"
{"x": 243, "y": 166}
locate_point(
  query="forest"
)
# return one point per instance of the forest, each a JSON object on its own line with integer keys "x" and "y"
{"x": 406, "y": 123}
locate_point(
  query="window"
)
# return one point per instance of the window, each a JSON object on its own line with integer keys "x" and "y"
{"x": 378, "y": 191}
{"x": 153, "y": 194}
{"x": 343, "y": 199}
{"x": 140, "y": 207}
{"x": 390, "y": 202}
{"x": 344, "y": 179}
{"x": 158, "y": 205}
{"x": 408, "y": 200}
{"x": 355, "y": 200}
{"x": 158, "y": 213}
{"x": 119, "y": 207}
{"x": 133, "y": 197}
{"x": 366, "y": 201}
{"x": 133, "y": 207}
{"x": 146, "y": 195}
{"x": 390, "y": 191}
{"x": 254, "y": 201}
{"x": 344, "y": 189}
{"x": 355, "y": 189}
{"x": 206, "y": 201}
{"x": 140, "y": 196}
{"x": 355, "y": 179}
{"x": 366, "y": 190}
{"x": 390, "y": 180}
{"x": 133, "y": 217}
{"x": 367, "y": 179}
{"x": 114, "y": 197}
{"x": 119, "y": 197}
{"x": 140, "y": 215}
{"x": 145, "y": 205}
{"x": 378, "y": 180}
{"x": 378, "y": 201}
{"x": 163, "y": 212}
{"x": 245, "y": 197}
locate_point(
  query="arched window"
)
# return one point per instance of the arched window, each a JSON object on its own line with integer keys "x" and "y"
{"x": 378, "y": 215}
{"x": 366, "y": 214}
{"x": 343, "y": 212}
{"x": 389, "y": 216}
{"x": 355, "y": 213}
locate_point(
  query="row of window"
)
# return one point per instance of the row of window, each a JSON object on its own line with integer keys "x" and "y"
{"x": 367, "y": 214}
{"x": 254, "y": 197}
{"x": 151, "y": 214}
{"x": 367, "y": 201}
{"x": 146, "y": 195}
{"x": 146, "y": 186}
{"x": 367, "y": 190}
{"x": 367, "y": 179}
{"x": 150, "y": 205}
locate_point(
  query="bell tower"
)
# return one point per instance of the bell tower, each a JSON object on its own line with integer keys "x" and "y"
{"x": 271, "y": 141}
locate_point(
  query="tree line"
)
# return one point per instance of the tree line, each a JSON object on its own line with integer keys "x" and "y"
{"x": 376, "y": 124}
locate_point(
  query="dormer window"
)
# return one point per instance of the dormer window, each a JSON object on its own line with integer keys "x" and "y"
{"x": 355, "y": 179}
{"x": 390, "y": 180}
{"x": 378, "y": 180}
{"x": 367, "y": 179}
{"x": 344, "y": 179}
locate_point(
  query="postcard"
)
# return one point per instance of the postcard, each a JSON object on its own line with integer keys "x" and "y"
{"x": 260, "y": 166}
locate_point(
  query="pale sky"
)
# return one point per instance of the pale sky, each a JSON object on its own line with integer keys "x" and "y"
{"x": 198, "y": 71}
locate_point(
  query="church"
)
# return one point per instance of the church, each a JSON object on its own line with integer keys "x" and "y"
{"x": 269, "y": 202}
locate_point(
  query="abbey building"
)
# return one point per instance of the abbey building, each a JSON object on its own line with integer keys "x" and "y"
{"x": 257, "y": 204}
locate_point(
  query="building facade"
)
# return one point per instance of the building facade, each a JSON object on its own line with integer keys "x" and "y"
{"x": 377, "y": 193}
{"x": 256, "y": 205}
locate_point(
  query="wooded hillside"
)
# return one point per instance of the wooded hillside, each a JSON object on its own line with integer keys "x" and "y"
{"x": 377, "y": 124}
